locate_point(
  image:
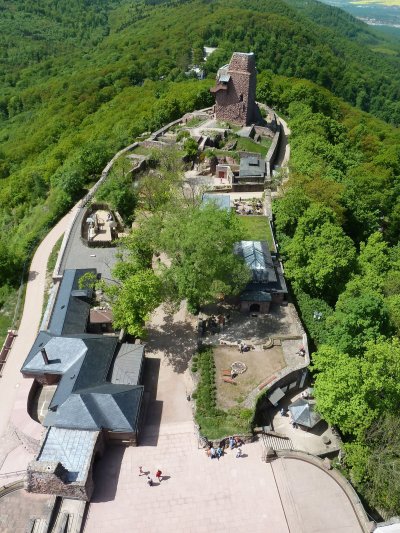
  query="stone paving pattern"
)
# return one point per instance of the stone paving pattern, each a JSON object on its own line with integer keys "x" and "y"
{"x": 17, "y": 508}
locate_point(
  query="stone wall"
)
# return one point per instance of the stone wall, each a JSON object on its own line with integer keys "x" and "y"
{"x": 236, "y": 103}
{"x": 51, "y": 477}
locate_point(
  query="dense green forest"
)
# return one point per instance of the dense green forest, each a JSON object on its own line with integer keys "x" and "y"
{"x": 81, "y": 79}
{"x": 338, "y": 229}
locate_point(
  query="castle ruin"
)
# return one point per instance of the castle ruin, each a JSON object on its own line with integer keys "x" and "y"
{"x": 235, "y": 90}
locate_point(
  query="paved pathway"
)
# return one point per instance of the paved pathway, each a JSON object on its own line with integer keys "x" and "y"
{"x": 13, "y": 388}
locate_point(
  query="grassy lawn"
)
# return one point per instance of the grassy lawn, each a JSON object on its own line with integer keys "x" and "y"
{"x": 248, "y": 145}
{"x": 256, "y": 228}
{"x": 142, "y": 150}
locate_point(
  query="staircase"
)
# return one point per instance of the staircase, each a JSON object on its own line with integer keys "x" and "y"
{"x": 277, "y": 443}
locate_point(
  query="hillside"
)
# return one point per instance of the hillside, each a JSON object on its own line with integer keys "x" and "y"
{"x": 80, "y": 79}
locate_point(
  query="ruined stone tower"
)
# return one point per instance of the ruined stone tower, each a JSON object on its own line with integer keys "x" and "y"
{"x": 235, "y": 90}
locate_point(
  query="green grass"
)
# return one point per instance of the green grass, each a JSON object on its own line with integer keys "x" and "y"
{"x": 256, "y": 228}
{"x": 8, "y": 301}
{"x": 142, "y": 150}
{"x": 248, "y": 145}
{"x": 216, "y": 423}
{"x": 193, "y": 122}
{"x": 51, "y": 263}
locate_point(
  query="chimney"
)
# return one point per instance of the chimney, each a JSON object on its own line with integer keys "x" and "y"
{"x": 44, "y": 355}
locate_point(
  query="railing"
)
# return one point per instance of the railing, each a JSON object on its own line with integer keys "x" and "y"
{"x": 5, "y": 350}
{"x": 12, "y": 474}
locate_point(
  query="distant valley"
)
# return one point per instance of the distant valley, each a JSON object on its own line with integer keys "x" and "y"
{"x": 384, "y": 14}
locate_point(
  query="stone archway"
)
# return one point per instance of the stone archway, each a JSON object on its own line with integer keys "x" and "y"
{"x": 254, "y": 308}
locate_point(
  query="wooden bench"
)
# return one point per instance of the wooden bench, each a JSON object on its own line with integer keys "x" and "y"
{"x": 229, "y": 380}
{"x": 227, "y": 372}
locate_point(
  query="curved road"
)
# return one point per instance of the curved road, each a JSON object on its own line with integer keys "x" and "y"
{"x": 12, "y": 381}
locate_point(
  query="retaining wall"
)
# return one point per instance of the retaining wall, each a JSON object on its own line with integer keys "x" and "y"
{"x": 57, "y": 274}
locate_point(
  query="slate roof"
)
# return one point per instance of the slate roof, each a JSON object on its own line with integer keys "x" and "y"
{"x": 71, "y": 310}
{"x": 128, "y": 364}
{"x": 107, "y": 406}
{"x": 98, "y": 387}
{"x": 267, "y": 275}
{"x": 252, "y": 167}
{"x": 72, "y": 448}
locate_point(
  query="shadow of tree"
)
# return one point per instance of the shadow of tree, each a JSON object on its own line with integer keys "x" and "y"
{"x": 256, "y": 328}
{"x": 177, "y": 341}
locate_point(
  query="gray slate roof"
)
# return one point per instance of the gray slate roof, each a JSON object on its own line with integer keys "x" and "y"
{"x": 71, "y": 310}
{"x": 128, "y": 364}
{"x": 107, "y": 406}
{"x": 72, "y": 448}
{"x": 252, "y": 167}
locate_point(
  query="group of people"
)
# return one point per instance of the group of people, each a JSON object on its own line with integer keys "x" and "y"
{"x": 233, "y": 442}
{"x": 246, "y": 209}
{"x": 214, "y": 324}
{"x": 149, "y": 480}
{"x": 243, "y": 347}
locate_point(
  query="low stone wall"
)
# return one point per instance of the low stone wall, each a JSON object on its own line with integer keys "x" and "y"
{"x": 57, "y": 274}
{"x": 272, "y": 152}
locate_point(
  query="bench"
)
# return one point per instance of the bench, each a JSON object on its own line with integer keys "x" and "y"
{"x": 228, "y": 380}
{"x": 227, "y": 372}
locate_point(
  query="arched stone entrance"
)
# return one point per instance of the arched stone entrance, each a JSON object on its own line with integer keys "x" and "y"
{"x": 254, "y": 308}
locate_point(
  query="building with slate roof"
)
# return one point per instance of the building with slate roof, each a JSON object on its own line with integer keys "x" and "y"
{"x": 98, "y": 393}
{"x": 267, "y": 284}
{"x": 252, "y": 169}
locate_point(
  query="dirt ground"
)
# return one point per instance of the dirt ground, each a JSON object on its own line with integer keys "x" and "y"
{"x": 261, "y": 364}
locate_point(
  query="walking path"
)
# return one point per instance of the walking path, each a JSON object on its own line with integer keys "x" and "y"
{"x": 13, "y": 388}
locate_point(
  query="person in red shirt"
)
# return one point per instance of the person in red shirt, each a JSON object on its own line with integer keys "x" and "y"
{"x": 159, "y": 475}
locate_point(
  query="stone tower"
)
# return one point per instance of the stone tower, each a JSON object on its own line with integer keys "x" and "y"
{"x": 235, "y": 90}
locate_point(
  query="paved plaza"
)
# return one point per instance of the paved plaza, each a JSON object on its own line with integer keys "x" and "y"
{"x": 199, "y": 494}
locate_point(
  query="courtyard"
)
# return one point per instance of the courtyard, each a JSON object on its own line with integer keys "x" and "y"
{"x": 260, "y": 365}
{"x": 198, "y": 494}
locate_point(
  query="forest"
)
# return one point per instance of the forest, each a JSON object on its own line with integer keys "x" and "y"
{"x": 80, "y": 79}
{"x": 338, "y": 228}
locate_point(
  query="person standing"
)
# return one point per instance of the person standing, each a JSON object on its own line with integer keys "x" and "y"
{"x": 141, "y": 473}
{"x": 149, "y": 481}
{"x": 159, "y": 475}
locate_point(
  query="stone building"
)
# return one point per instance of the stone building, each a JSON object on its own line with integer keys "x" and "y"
{"x": 267, "y": 284}
{"x": 235, "y": 90}
{"x": 87, "y": 392}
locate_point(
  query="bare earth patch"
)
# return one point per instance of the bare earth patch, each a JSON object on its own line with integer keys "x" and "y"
{"x": 261, "y": 364}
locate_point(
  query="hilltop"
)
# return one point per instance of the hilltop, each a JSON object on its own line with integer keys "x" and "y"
{"x": 79, "y": 80}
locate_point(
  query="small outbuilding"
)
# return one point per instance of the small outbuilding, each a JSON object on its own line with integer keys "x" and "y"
{"x": 304, "y": 413}
{"x": 267, "y": 284}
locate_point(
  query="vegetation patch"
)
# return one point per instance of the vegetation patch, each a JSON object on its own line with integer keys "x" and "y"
{"x": 256, "y": 228}
{"x": 216, "y": 423}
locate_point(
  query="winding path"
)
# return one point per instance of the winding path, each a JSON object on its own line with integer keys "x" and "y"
{"x": 13, "y": 387}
